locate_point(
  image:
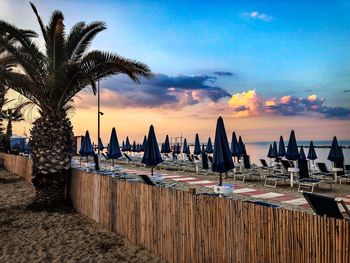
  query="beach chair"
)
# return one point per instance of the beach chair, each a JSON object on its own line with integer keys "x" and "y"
{"x": 304, "y": 181}
{"x": 272, "y": 180}
{"x": 327, "y": 206}
{"x": 104, "y": 156}
{"x": 346, "y": 175}
{"x": 248, "y": 171}
{"x": 323, "y": 172}
{"x": 264, "y": 164}
{"x": 149, "y": 181}
{"x": 130, "y": 161}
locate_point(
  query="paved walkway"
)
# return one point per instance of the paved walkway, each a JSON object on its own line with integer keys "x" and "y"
{"x": 266, "y": 194}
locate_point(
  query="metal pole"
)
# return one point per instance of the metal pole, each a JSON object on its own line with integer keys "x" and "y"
{"x": 98, "y": 121}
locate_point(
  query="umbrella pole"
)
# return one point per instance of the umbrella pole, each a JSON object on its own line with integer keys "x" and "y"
{"x": 152, "y": 170}
{"x": 220, "y": 182}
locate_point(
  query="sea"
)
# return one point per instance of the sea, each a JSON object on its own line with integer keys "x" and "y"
{"x": 259, "y": 150}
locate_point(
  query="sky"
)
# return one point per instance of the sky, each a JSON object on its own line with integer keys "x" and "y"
{"x": 266, "y": 66}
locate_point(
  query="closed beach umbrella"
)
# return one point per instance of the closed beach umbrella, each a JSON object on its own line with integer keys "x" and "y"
{"x": 311, "y": 155}
{"x": 123, "y": 147}
{"x": 274, "y": 150}
{"x": 143, "y": 145}
{"x": 134, "y": 149}
{"x": 162, "y": 148}
{"x": 188, "y": 149}
{"x": 100, "y": 144}
{"x": 197, "y": 146}
{"x": 151, "y": 156}
{"x": 336, "y": 152}
{"x": 235, "y": 150}
{"x": 86, "y": 147}
{"x": 281, "y": 148}
{"x": 178, "y": 148}
{"x": 292, "y": 150}
{"x": 167, "y": 148}
{"x": 203, "y": 148}
{"x": 113, "y": 149}
{"x": 127, "y": 145}
{"x": 242, "y": 146}
{"x": 269, "y": 153}
{"x": 302, "y": 155}
{"x": 222, "y": 158}
{"x": 209, "y": 148}
{"x": 184, "y": 147}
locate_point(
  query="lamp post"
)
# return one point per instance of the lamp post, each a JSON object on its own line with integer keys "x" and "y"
{"x": 99, "y": 114}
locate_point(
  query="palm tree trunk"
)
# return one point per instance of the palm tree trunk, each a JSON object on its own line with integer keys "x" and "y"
{"x": 52, "y": 147}
{"x": 9, "y": 128}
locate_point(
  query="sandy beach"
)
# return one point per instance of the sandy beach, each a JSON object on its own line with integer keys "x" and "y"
{"x": 31, "y": 236}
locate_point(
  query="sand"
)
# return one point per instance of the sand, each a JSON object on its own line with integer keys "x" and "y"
{"x": 28, "y": 236}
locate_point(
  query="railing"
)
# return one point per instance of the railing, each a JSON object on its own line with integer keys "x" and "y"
{"x": 181, "y": 227}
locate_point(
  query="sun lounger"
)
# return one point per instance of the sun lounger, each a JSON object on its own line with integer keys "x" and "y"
{"x": 266, "y": 204}
{"x": 327, "y": 206}
{"x": 272, "y": 180}
{"x": 248, "y": 171}
{"x": 346, "y": 176}
{"x": 304, "y": 181}
{"x": 323, "y": 172}
{"x": 149, "y": 181}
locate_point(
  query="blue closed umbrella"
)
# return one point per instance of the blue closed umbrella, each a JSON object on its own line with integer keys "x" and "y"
{"x": 274, "y": 150}
{"x": 269, "y": 153}
{"x": 184, "y": 147}
{"x": 242, "y": 146}
{"x": 178, "y": 148}
{"x": 127, "y": 145}
{"x": 188, "y": 149}
{"x": 134, "y": 147}
{"x": 197, "y": 146}
{"x": 113, "y": 149}
{"x": 235, "y": 150}
{"x": 336, "y": 152}
{"x": 222, "y": 158}
{"x": 292, "y": 150}
{"x": 100, "y": 144}
{"x": 302, "y": 155}
{"x": 143, "y": 145}
{"x": 86, "y": 146}
{"x": 209, "y": 148}
{"x": 162, "y": 148}
{"x": 281, "y": 148}
{"x": 167, "y": 148}
{"x": 312, "y": 153}
{"x": 151, "y": 156}
{"x": 123, "y": 147}
{"x": 203, "y": 148}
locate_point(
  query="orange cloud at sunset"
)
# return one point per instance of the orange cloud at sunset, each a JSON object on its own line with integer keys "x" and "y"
{"x": 246, "y": 103}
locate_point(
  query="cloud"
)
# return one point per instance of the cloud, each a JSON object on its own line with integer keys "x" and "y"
{"x": 161, "y": 91}
{"x": 223, "y": 73}
{"x": 250, "y": 103}
{"x": 258, "y": 16}
{"x": 246, "y": 103}
{"x": 291, "y": 106}
{"x": 348, "y": 90}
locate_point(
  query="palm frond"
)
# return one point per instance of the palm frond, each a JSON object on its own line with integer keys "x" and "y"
{"x": 42, "y": 27}
{"x": 81, "y": 37}
{"x": 103, "y": 64}
{"x": 55, "y": 41}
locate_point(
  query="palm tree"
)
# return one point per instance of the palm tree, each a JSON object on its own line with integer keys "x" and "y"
{"x": 11, "y": 115}
{"x": 50, "y": 79}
